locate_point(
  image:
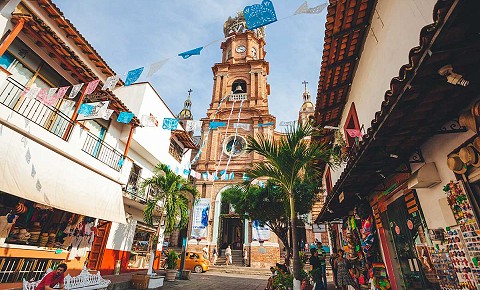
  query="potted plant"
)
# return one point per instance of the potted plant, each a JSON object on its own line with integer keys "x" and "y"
{"x": 171, "y": 263}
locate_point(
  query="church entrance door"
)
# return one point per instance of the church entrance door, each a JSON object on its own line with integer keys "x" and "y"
{"x": 231, "y": 233}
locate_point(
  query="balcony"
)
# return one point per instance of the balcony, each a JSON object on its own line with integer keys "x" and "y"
{"x": 133, "y": 189}
{"x": 49, "y": 118}
{"x": 103, "y": 152}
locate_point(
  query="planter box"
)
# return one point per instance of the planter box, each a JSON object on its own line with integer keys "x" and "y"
{"x": 140, "y": 281}
{"x": 155, "y": 282}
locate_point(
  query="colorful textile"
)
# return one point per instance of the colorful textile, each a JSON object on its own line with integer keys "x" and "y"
{"x": 215, "y": 125}
{"x": 314, "y": 10}
{"x": 259, "y": 15}
{"x": 170, "y": 124}
{"x": 85, "y": 109}
{"x": 133, "y": 76}
{"x": 75, "y": 89}
{"x": 125, "y": 117}
{"x": 189, "y": 53}
{"x": 91, "y": 87}
{"x": 111, "y": 82}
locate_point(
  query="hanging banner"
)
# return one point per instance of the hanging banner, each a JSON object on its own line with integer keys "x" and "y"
{"x": 170, "y": 124}
{"x": 148, "y": 121}
{"x": 243, "y": 126}
{"x": 133, "y": 75}
{"x": 75, "y": 89}
{"x": 192, "y": 125}
{"x": 85, "y": 109}
{"x": 108, "y": 114}
{"x": 215, "y": 125}
{"x": 125, "y": 117}
{"x": 266, "y": 124}
{"x": 31, "y": 93}
{"x": 189, "y": 53}
{"x": 111, "y": 82}
{"x": 314, "y": 10}
{"x": 259, "y": 15}
{"x": 200, "y": 218}
{"x": 260, "y": 232}
{"x": 98, "y": 111}
{"x": 91, "y": 87}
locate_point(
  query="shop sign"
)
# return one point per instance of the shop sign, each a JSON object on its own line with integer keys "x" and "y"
{"x": 200, "y": 218}
{"x": 341, "y": 197}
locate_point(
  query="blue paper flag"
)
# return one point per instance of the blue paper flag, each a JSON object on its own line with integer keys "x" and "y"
{"x": 120, "y": 162}
{"x": 125, "y": 117}
{"x": 204, "y": 175}
{"x": 215, "y": 176}
{"x": 231, "y": 176}
{"x": 245, "y": 177}
{"x": 259, "y": 15}
{"x": 133, "y": 75}
{"x": 186, "y": 172}
{"x": 170, "y": 124}
{"x": 266, "y": 124}
{"x": 85, "y": 109}
{"x": 215, "y": 125}
{"x": 189, "y": 53}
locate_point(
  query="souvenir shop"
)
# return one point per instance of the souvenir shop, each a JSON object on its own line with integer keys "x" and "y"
{"x": 38, "y": 237}
{"x": 141, "y": 246}
{"x": 357, "y": 236}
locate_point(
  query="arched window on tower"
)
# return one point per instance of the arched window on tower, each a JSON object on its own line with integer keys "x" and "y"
{"x": 239, "y": 87}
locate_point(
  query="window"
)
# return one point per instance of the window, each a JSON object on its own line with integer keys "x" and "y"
{"x": 175, "y": 150}
{"x": 351, "y": 123}
{"x": 328, "y": 180}
{"x": 239, "y": 86}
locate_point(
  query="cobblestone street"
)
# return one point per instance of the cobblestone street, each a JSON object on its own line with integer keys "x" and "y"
{"x": 216, "y": 280}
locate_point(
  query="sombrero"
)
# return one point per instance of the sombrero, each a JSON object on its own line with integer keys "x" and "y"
{"x": 466, "y": 119}
{"x": 455, "y": 163}
{"x": 469, "y": 155}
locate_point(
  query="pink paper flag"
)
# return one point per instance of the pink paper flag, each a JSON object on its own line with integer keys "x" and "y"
{"x": 30, "y": 93}
{"x": 354, "y": 133}
{"x": 42, "y": 94}
{"x": 61, "y": 92}
{"x": 91, "y": 87}
{"x": 50, "y": 99}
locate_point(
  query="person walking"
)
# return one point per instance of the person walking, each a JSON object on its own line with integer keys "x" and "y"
{"x": 228, "y": 256}
{"x": 333, "y": 257}
{"x": 214, "y": 255}
{"x": 343, "y": 274}
{"x": 53, "y": 278}
{"x": 322, "y": 255}
{"x": 316, "y": 270}
{"x": 205, "y": 252}
{"x": 244, "y": 257}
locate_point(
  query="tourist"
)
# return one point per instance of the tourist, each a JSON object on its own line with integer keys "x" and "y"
{"x": 214, "y": 255}
{"x": 315, "y": 264}
{"x": 333, "y": 257}
{"x": 228, "y": 256}
{"x": 53, "y": 278}
{"x": 323, "y": 265}
{"x": 205, "y": 252}
{"x": 244, "y": 257}
{"x": 344, "y": 279}
{"x": 270, "y": 279}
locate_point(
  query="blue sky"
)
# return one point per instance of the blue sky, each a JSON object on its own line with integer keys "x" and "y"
{"x": 129, "y": 36}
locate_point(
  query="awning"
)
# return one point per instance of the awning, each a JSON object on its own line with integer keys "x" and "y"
{"x": 416, "y": 106}
{"x": 183, "y": 137}
{"x": 33, "y": 172}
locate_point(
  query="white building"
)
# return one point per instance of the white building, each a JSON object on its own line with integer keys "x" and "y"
{"x": 62, "y": 172}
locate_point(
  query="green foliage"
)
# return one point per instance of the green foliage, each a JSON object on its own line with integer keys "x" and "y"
{"x": 174, "y": 191}
{"x": 172, "y": 259}
{"x": 283, "y": 281}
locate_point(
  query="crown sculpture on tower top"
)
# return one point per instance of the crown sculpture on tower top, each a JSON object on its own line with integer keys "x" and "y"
{"x": 238, "y": 25}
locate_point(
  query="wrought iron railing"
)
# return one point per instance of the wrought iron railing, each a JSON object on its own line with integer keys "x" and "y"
{"x": 17, "y": 269}
{"x": 105, "y": 153}
{"x": 134, "y": 189}
{"x": 49, "y": 118}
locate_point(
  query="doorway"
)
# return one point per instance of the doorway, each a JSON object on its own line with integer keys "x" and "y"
{"x": 231, "y": 233}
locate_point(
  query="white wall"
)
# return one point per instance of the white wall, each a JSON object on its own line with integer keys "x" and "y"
{"x": 436, "y": 150}
{"x": 395, "y": 29}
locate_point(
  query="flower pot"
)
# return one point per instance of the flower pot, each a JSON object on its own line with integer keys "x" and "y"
{"x": 170, "y": 274}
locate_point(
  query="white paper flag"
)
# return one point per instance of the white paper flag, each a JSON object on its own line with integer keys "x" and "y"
{"x": 110, "y": 83}
{"x": 107, "y": 114}
{"x": 154, "y": 67}
{"x": 315, "y": 10}
{"x": 75, "y": 89}
{"x": 243, "y": 126}
{"x": 31, "y": 93}
{"x": 148, "y": 121}
{"x": 192, "y": 125}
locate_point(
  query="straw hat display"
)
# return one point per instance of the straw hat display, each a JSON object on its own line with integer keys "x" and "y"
{"x": 469, "y": 155}
{"x": 456, "y": 164}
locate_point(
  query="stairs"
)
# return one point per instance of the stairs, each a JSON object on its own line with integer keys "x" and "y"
{"x": 240, "y": 270}
{"x": 236, "y": 258}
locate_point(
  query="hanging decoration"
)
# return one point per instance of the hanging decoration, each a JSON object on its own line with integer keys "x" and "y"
{"x": 243, "y": 126}
{"x": 216, "y": 125}
{"x": 85, "y": 109}
{"x": 98, "y": 111}
{"x": 259, "y": 15}
{"x": 111, "y": 82}
{"x": 30, "y": 93}
{"x": 91, "y": 87}
{"x": 154, "y": 67}
{"x": 125, "y": 117}
{"x": 189, "y": 53}
{"x": 75, "y": 89}
{"x": 170, "y": 124}
{"x": 192, "y": 125}
{"x": 108, "y": 113}
{"x": 148, "y": 121}
{"x": 354, "y": 133}
{"x": 61, "y": 92}
{"x": 266, "y": 124}
{"x": 314, "y": 10}
{"x": 133, "y": 76}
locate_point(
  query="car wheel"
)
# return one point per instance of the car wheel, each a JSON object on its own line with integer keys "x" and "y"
{"x": 198, "y": 269}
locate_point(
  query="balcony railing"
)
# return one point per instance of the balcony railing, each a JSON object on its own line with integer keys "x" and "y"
{"x": 49, "y": 118}
{"x": 105, "y": 153}
{"x": 135, "y": 192}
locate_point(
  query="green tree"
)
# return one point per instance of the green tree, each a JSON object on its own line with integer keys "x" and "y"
{"x": 285, "y": 163}
{"x": 172, "y": 198}
{"x": 270, "y": 206}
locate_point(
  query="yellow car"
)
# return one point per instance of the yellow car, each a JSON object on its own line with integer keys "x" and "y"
{"x": 196, "y": 262}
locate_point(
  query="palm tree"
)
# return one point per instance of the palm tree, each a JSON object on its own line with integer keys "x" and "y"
{"x": 174, "y": 192}
{"x": 285, "y": 163}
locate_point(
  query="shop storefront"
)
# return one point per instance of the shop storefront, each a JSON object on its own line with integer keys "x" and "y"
{"x": 36, "y": 237}
{"x": 141, "y": 247}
